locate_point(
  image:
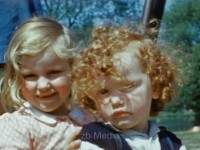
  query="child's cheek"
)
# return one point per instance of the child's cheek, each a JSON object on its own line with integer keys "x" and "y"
{"x": 28, "y": 86}
{"x": 105, "y": 101}
{"x": 105, "y": 110}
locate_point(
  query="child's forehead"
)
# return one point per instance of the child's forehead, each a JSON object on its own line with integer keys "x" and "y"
{"x": 37, "y": 55}
{"x": 41, "y": 58}
{"x": 127, "y": 59}
{"x": 132, "y": 49}
{"x": 115, "y": 83}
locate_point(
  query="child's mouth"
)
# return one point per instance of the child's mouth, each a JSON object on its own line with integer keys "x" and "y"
{"x": 121, "y": 114}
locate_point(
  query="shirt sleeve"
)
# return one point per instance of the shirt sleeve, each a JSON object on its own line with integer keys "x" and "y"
{"x": 183, "y": 147}
{"x": 89, "y": 146}
{"x": 81, "y": 116}
{"x": 13, "y": 133}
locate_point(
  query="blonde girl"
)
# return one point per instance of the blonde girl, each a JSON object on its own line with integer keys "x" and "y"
{"x": 36, "y": 88}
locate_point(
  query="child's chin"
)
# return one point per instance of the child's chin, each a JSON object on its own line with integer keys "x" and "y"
{"x": 123, "y": 125}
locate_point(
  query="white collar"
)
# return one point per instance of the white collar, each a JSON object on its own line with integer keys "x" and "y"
{"x": 39, "y": 115}
{"x": 153, "y": 130}
{"x": 75, "y": 115}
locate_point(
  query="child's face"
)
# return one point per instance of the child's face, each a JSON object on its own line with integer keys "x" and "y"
{"x": 127, "y": 106}
{"x": 46, "y": 84}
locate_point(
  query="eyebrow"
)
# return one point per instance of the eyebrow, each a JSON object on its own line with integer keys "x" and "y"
{"x": 129, "y": 84}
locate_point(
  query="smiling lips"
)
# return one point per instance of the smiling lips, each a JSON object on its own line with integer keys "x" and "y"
{"x": 46, "y": 96}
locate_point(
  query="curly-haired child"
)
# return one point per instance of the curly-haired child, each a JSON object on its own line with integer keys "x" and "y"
{"x": 126, "y": 78}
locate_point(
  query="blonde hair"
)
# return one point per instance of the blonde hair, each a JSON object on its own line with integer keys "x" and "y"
{"x": 97, "y": 59}
{"x": 34, "y": 36}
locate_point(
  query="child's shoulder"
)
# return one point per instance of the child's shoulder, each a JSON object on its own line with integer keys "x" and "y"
{"x": 168, "y": 139}
{"x": 164, "y": 132}
{"x": 12, "y": 122}
{"x": 15, "y": 117}
{"x": 99, "y": 127}
{"x": 96, "y": 130}
{"x": 104, "y": 136}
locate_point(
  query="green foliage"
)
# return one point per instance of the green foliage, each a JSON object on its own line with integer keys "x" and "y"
{"x": 182, "y": 27}
{"x": 190, "y": 139}
{"x": 176, "y": 121}
{"x": 183, "y": 23}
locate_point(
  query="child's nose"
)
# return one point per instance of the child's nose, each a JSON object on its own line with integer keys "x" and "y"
{"x": 116, "y": 101}
{"x": 43, "y": 83}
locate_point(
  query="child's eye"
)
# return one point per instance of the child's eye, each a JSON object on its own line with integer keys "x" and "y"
{"x": 55, "y": 73}
{"x": 29, "y": 77}
{"x": 103, "y": 91}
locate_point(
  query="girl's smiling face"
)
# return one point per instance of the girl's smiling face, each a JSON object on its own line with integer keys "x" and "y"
{"x": 46, "y": 84}
{"x": 127, "y": 106}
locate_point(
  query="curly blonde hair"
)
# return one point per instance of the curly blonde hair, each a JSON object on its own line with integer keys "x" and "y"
{"x": 97, "y": 59}
{"x": 34, "y": 36}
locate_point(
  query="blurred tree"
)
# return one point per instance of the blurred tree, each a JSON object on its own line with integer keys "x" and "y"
{"x": 83, "y": 15}
{"x": 12, "y": 14}
{"x": 181, "y": 26}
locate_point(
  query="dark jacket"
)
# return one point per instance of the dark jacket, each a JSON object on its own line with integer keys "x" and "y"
{"x": 109, "y": 139}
